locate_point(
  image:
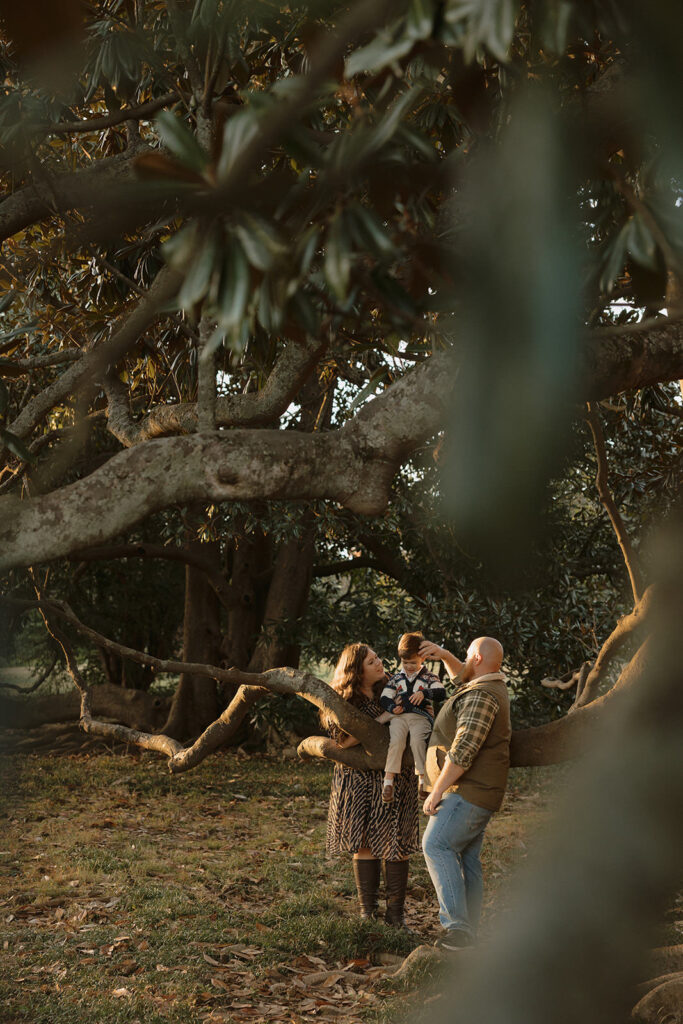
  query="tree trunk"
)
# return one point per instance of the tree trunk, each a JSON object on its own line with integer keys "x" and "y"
{"x": 287, "y": 597}
{"x": 196, "y": 702}
{"x": 251, "y": 566}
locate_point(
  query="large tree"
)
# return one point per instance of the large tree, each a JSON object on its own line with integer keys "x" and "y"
{"x": 270, "y": 252}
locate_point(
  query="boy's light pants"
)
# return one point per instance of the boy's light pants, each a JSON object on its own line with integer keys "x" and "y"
{"x": 418, "y": 727}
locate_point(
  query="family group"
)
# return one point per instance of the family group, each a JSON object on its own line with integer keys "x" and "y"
{"x": 461, "y": 760}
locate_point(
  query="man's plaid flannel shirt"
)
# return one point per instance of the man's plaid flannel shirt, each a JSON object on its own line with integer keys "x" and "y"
{"x": 475, "y": 712}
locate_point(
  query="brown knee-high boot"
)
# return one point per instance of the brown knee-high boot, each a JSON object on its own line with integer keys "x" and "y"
{"x": 367, "y": 875}
{"x": 395, "y": 885}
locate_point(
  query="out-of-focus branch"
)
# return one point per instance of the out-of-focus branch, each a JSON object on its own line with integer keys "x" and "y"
{"x": 206, "y": 379}
{"x": 73, "y": 190}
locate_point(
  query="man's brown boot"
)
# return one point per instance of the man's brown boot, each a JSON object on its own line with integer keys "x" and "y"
{"x": 367, "y": 875}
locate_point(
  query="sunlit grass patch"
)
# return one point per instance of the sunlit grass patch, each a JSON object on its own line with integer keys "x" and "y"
{"x": 129, "y": 894}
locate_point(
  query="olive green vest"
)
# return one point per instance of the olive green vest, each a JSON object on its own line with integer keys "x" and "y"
{"x": 484, "y": 782}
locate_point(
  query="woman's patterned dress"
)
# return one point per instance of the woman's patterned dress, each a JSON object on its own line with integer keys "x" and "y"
{"x": 358, "y": 817}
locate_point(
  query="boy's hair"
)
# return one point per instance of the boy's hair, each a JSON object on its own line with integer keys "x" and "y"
{"x": 409, "y": 645}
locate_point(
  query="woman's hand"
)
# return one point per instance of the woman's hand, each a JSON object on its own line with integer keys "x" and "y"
{"x": 398, "y": 709}
{"x": 417, "y": 698}
{"x": 347, "y": 741}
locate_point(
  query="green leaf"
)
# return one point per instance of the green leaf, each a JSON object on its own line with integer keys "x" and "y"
{"x": 394, "y": 292}
{"x": 16, "y": 446}
{"x": 16, "y": 332}
{"x": 270, "y": 312}
{"x": 383, "y": 50}
{"x": 369, "y": 388}
{"x": 239, "y": 131}
{"x": 420, "y": 20}
{"x": 260, "y": 240}
{"x": 7, "y": 300}
{"x": 196, "y": 283}
{"x": 640, "y": 243}
{"x": 614, "y": 260}
{"x": 181, "y": 142}
{"x": 305, "y": 312}
{"x": 388, "y": 125}
{"x": 338, "y": 253}
{"x": 368, "y": 231}
{"x": 234, "y": 286}
{"x": 4, "y": 400}
{"x": 178, "y": 250}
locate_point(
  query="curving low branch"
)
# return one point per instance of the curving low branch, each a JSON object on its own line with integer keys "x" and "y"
{"x": 547, "y": 744}
{"x": 565, "y": 738}
{"x": 285, "y": 681}
{"x": 623, "y": 633}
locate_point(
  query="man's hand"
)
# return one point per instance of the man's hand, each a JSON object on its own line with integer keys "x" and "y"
{"x": 431, "y": 804}
{"x": 398, "y": 709}
{"x": 417, "y": 698}
{"x": 431, "y": 652}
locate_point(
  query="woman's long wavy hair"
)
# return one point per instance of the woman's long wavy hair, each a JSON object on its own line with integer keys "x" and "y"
{"x": 348, "y": 678}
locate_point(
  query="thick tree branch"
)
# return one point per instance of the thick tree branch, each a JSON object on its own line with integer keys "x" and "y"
{"x": 601, "y": 482}
{"x": 74, "y": 190}
{"x": 623, "y": 358}
{"x": 622, "y": 634}
{"x": 567, "y": 737}
{"x": 285, "y": 681}
{"x": 20, "y": 367}
{"x": 353, "y": 465}
{"x": 569, "y": 679}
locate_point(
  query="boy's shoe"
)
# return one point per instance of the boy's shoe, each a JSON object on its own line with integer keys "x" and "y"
{"x": 422, "y": 794}
{"x": 388, "y": 793}
{"x": 454, "y": 940}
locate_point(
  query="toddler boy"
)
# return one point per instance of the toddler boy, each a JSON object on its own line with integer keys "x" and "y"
{"x": 409, "y": 697}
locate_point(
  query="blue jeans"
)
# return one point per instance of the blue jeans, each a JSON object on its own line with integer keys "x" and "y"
{"x": 451, "y": 845}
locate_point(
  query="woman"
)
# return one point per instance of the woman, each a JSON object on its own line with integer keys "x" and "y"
{"x": 359, "y": 822}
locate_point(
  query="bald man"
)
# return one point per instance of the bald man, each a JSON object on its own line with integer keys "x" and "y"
{"x": 467, "y": 767}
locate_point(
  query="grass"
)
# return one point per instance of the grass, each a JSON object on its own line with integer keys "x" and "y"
{"x": 128, "y": 894}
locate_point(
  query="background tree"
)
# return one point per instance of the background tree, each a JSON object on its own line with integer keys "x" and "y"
{"x": 202, "y": 307}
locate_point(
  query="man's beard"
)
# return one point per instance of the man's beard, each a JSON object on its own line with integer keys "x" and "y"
{"x": 468, "y": 671}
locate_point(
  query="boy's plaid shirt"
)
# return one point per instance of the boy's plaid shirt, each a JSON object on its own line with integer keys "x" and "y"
{"x": 475, "y": 711}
